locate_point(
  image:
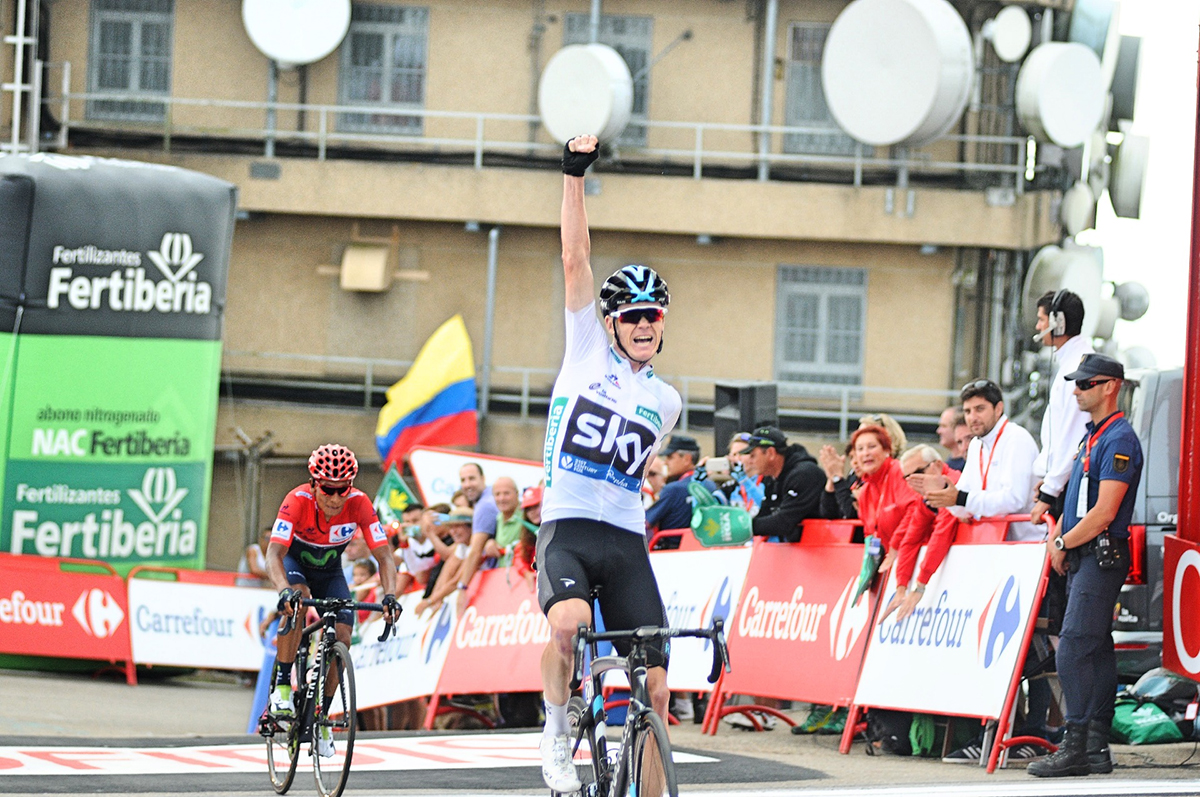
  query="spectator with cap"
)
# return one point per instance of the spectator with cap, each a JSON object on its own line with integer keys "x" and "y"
{"x": 458, "y": 523}
{"x": 1093, "y": 551}
{"x": 673, "y": 510}
{"x": 792, "y": 483}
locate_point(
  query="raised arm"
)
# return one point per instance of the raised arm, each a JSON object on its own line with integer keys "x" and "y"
{"x": 576, "y": 245}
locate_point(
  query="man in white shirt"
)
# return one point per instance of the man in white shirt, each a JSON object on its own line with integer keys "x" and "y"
{"x": 1059, "y": 322}
{"x": 998, "y": 476}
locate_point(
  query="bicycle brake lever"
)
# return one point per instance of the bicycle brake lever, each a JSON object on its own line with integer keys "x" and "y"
{"x": 720, "y": 652}
{"x": 290, "y": 620}
{"x": 387, "y": 631}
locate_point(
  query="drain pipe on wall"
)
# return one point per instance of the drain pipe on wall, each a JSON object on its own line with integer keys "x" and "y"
{"x": 594, "y": 23}
{"x": 768, "y": 88}
{"x": 489, "y": 320}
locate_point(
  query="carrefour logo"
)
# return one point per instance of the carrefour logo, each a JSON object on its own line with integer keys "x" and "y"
{"x": 940, "y": 625}
{"x": 128, "y": 287}
{"x": 438, "y": 632}
{"x": 1001, "y": 624}
{"x": 847, "y": 621}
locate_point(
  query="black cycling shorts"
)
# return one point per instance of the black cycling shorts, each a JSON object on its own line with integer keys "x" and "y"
{"x": 321, "y": 583}
{"x": 575, "y": 554}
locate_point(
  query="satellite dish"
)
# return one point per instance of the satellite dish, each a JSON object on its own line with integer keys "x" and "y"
{"x": 294, "y": 32}
{"x": 1078, "y": 209}
{"x": 1134, "y": 300}
{"x": 1060, "y": 93}
{"x": 586, "y": 89}
{"x": 1010, "y": 33}
{"x": 1124, "y": 83}
{"x": 897, "y": 71}
{"x": 1129, "y": 176}
{"x": 1078, "y": 269}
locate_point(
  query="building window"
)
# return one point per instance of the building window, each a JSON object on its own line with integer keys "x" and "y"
{"x": 806, "y": 98}
{"x": 384, "y": 58}
{"x": 632, "y": 38}
{"x": 822, "y": 318}
{"x": 130, "y": 54}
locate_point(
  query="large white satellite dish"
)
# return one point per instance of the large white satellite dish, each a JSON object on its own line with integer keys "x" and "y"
{"x": 585, "y": 89}
{"x": 897, "y": 71}
{"x": 1010, "y": 33}
{"x": 1078, "y": 209}
{"x": 1060, "y": 93}
{"x": 1129, "y": 175}
{"x": 1079, "y": 270}
{"x": 294, "y": 32}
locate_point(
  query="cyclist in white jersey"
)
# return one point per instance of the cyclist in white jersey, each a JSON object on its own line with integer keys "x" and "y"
{"x": 608, "y": 415}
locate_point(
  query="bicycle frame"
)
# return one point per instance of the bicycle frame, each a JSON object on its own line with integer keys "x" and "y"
{"x": 635, "y": 666}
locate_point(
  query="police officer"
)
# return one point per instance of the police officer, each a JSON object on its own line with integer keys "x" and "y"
{"x": 1094, "y": 548}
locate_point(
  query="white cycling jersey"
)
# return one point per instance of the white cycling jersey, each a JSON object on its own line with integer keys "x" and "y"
{"x": 605, "y": 423}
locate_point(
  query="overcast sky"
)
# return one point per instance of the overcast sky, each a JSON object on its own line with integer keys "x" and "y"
{"x": 1154, "y": 249}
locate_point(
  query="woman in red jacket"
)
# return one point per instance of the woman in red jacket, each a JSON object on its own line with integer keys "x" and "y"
{"x": 884, "y": 499}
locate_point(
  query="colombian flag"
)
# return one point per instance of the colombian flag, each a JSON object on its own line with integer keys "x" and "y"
{"x": 434, "y": 404}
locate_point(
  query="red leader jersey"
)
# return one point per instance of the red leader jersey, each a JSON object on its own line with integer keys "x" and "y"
{"x": 317, "y": 543}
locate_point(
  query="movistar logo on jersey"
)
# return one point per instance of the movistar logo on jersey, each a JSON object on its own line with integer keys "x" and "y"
{"x": 600, "y": 444}
{"x": 312, "y": 560}
{"x": 128, "y": 287}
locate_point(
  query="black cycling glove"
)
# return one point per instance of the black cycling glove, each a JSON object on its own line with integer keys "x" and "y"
{"x": 576, "y": 163}
{"x": 286, "y": 596}
{"x": 391, "y": 605}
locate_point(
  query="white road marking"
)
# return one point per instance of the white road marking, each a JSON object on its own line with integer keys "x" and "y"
{"x": 475, "y": 751}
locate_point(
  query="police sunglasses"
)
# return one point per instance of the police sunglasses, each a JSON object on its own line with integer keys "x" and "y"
{"x": 1087, "y": 384}
{"x": 635, "y": 315}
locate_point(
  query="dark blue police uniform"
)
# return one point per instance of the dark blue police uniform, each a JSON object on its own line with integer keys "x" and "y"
{"x": 1087, "y": 664}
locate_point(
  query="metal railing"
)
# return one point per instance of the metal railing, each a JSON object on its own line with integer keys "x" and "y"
{"x": 486, "y": 136}
{"x": 529, "y": 388}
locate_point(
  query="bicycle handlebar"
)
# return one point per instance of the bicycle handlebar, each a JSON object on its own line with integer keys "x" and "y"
{"x": 330, "y": 605}
{"x": 716, "y": 634}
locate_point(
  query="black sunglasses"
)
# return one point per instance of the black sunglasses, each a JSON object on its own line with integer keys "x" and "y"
{"x": 635, "y": 315}
{"x": 978, "y": 384}
{"x": 1088, "y": 384}
{"x": 329, "y": 489}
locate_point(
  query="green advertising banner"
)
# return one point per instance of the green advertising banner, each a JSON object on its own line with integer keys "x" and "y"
{"x": 112, "y": 284}
{"x": 110, "y": 450}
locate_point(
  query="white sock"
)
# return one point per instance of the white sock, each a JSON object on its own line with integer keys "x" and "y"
{"x": 557, "y": 723}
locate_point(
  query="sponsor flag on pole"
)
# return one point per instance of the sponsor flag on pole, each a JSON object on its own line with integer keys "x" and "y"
{"x": 393, "y": 497}
{"x": 434, "y": 404}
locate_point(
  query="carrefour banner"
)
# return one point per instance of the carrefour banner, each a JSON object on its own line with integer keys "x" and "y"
{"x": 114, "y": 362}
{"x": 797, "y": 633}
{"x": 698, "y": 587}
{"x": 197, "y": 625}
{"x": 409, "y": 663}
{"x": 957, "y": 652}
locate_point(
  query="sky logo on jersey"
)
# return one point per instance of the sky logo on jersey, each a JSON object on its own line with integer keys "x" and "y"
{"x": 1005, "y": 621}
{"x": 600, "y": 444}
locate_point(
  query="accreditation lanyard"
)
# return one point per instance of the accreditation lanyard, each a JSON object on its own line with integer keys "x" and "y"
{"x": 982, "y": 470}
{"x": 1081, "y": 502}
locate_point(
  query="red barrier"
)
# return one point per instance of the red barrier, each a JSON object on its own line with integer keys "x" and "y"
{"x": 796, "y": 634}
{"x": 217, "y": 578}
{"x": 497, "y": 643}
{"x": 687, "y": 540}
{"x": 64, "y": 608}
{"x": 828, "y": 532}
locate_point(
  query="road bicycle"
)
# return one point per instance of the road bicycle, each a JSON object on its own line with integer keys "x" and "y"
{"x": 330, "y": 673}
{"x": 641, "y": 766}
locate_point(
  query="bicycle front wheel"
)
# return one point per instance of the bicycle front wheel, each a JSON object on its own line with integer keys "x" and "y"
{"x": 651, "y": 770}
{"x": 334, "y": 723}
{"x": 283, "y": 748}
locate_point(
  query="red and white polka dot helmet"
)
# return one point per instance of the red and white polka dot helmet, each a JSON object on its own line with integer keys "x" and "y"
{"x": 333, "y": 463}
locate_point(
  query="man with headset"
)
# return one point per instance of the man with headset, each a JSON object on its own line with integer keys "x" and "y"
{"x": 1059, "y": 322}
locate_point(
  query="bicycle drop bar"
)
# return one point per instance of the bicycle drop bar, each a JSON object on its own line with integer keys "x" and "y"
{"x": 716, "y": 634}
{"x": 330, "y": 605}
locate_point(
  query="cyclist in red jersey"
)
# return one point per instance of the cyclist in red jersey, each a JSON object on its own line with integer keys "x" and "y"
{"x": 315, "y": 524}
